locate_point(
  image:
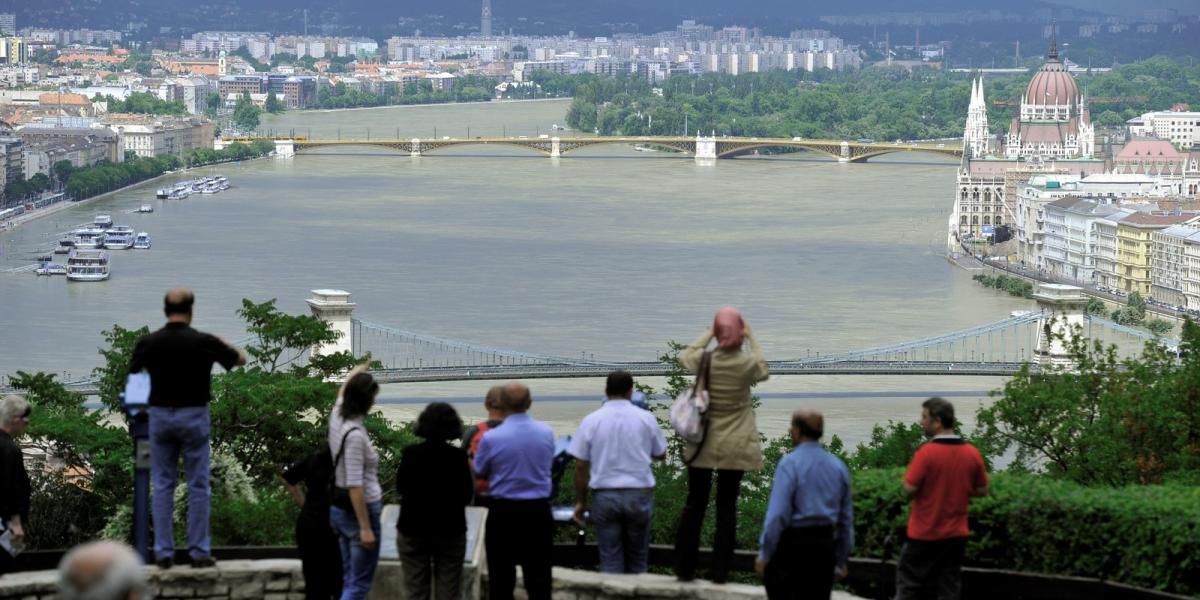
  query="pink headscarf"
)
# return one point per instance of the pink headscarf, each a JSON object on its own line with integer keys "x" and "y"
{"x": 729, "y": 328}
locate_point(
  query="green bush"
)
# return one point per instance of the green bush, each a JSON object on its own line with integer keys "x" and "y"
{"x": 1015, "y": 286}
{"x": 1147, "y": 536}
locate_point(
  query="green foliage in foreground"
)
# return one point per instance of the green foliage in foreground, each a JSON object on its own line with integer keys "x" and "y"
{"x": 264, "y": 417}
{"x": 1015, "y": 286}
{"x": 1148, "y": 536}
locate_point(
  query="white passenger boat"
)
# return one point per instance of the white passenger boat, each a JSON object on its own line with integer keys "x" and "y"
{"x": 102, "y": 221}
{"x": 88, "y": 238}
{"x": 118, "y": 238}
{"x": 149, "y": 208}
{"x": 209, "y": 189}
{"x": 87, "y": 265}
{"x": 162, "y": 193}
{"x": 142, "y": 241}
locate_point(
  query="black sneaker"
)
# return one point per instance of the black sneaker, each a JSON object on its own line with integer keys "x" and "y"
{"x": 165, "y": 563}
{"x": 204, "y": 562}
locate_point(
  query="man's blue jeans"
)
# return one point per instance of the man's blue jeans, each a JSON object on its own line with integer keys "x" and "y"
{"x": 622, "y": 520}
{"x": 358, "y": 563}
{"x": 175, "y": 432}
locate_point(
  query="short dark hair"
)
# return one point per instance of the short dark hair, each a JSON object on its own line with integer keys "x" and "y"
{"x": 619, "y": 384}
{"x": 359, "y": 395}
{"x": 518, "y": 402}
{"x": 439, "y": 422}
{"x": 805, "y": 429}
{"x": 179, "y": 306}
{"x": 940, "y": 409}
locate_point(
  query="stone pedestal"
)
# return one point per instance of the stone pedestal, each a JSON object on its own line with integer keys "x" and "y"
{"x": 706, "y": 148}
{"x": 1061, "y": 309}
{"x": 555, "y": 147}
{"x": 285, "y": 149}
{"x": 844, "y": 157}
{"x": 415, "y": 147}
{"x": 334, "y": 307}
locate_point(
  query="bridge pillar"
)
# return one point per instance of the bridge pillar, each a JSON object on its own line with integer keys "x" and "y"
{"x": 334, "y": 307}
{"x": 844, "y": 157}
{"x": 555, "y": 147}
{"x": 1061, "y": 312}
{"x": 415, "y": 147}
{"x": 285, "y": 149}
{"x": 706, "y": 148}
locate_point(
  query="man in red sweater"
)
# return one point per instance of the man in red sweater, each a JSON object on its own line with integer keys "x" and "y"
{"x": 945, "y": 473}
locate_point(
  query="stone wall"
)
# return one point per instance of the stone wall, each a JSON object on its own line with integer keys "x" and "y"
{"x": 230, "y": 580}
{"x": 282, "y": 580}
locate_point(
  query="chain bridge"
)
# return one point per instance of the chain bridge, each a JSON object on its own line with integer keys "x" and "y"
{"x": 702, "y": 148}
{"x": 1000, "y": 348}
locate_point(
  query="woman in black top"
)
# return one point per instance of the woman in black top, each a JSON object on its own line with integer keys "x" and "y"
{"x": 320, "y": 554}
{"x": 14, "y": 481}
{"x": 435, "y": 486}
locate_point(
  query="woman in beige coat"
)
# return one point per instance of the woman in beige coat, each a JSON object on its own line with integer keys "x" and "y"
{"x": 731, "y": 445}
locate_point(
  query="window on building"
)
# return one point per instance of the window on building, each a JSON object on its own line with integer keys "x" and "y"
{"x": 962, "y": 220}
{"x": 975, "y": 219}
{"x": 987, "y": 220}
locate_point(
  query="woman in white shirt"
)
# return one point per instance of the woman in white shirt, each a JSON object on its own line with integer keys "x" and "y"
{"x": 357, "y": 499}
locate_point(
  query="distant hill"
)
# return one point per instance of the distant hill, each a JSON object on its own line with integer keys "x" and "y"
{"x": 451, "y": 17}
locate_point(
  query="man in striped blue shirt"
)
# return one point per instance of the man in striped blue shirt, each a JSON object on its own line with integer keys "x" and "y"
{"x": 809, "y": 529}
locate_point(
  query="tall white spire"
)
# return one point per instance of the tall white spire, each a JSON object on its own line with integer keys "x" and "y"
{"x": 976, "y": 135}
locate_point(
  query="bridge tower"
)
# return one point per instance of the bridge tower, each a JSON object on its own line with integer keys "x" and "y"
{"x": 706, "y": 148}
{"x": 844, "y": 155}
{"x": 415, "y": 147}
{"x": 334, "y": 307}
{"x": 555, "y": 147}
{"x": 1061, "y": 312}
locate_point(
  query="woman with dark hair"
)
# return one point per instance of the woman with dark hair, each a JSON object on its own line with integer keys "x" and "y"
{"x": 435, "y": 485}
{"x": 354, "y": 515}
{"x": 731, "y": 444}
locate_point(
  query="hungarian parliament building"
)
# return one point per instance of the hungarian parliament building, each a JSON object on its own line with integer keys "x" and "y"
{"x": 1052, "y": 135}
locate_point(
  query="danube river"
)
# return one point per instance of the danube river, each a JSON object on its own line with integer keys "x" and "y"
{"x": 606, "y": 252}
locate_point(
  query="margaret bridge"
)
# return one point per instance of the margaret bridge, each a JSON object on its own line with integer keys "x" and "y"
{"x": 1000, "y": 348}
{"x": 702, "y": 148}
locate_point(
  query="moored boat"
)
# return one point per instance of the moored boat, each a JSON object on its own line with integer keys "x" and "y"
{"x": 88, "y": 238}
{"x": 142, "y": 241}
{"x": 102, "y": 221}
{"x": 118, "y": 238}
{"x": 65, "y": 246}
{"x": 49, "y": 268}
{"x": 87, "y": 265}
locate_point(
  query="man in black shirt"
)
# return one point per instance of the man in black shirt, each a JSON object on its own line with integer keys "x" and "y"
{"x": 14, "y": 481}
{"x": 180, "y": 361}
{"x": 320, "y": 554}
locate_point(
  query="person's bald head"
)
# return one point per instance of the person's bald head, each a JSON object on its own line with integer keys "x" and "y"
{"x": 807, "y": 425}
{"x": 516, "y": 398}
{"x": 177, "y": 304}
{"x": 101, "y": 571}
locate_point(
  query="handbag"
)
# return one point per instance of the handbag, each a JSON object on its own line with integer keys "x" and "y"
{"x": 689, "y": 412}
{"x": 340, "y": 496}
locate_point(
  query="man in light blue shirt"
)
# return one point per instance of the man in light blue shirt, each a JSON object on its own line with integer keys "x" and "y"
{"x": 613, "y": 450}
{"x": 809, "y": 529}
{"x": 516, "y": 460}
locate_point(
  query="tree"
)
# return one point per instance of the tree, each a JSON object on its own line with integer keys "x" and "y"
{"x": 274, "y": 106}
{"x": 245, "y": 114}
{"x": 1095, "y": 306}
{"x": 1104, "y": 421}
{"x": 1159, "y": 327}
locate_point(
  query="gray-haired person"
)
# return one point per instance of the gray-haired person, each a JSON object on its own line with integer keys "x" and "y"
{"x": 14, "y": 481}
{"x": 102, "y": 571}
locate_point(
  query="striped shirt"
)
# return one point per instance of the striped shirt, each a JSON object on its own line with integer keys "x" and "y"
{"x": 359, "y": 466}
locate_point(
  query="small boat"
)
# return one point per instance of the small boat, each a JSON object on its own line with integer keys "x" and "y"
{"x": 142, "y": 241}
{"x": 102, "y": 221}
{"x": 87, "y": 265}
{"x": 49, "y": 268}
{"x": 162, "y": 193}
{"x": 65, "y": 246}
{"x": 181, "y": 193}
{"x": 89, "y": 238}
{"x": 209, "y": 189}
{"x": 119, "y": 238}
{"x": 149, "y": 208}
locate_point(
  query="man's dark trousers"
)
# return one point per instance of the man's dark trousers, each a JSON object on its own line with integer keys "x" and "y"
{"x": 930, "y": 566}
{"x": 802, "y": 566}
{"x": 519, "y": 532}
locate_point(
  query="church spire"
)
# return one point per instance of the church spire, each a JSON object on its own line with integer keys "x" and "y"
{"x": 1052, "y": 54}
